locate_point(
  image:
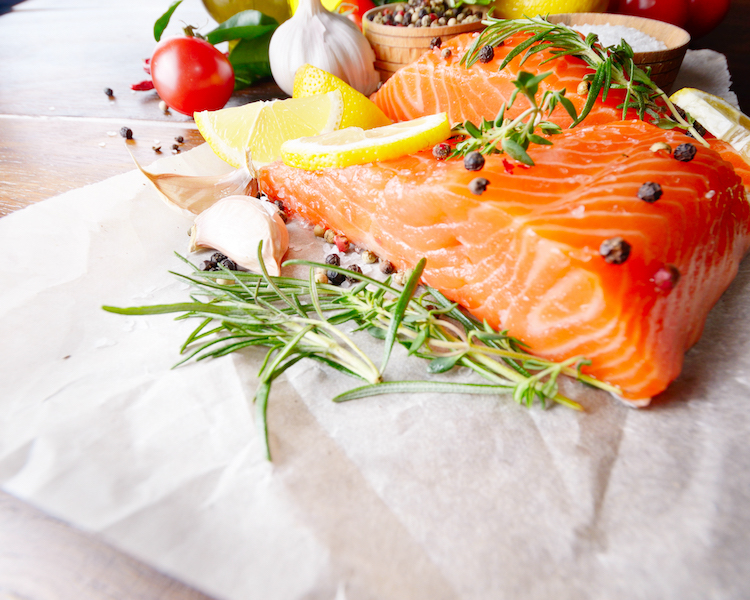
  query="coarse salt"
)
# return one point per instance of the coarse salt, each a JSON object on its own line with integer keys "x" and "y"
{"x": 611, "y": 35}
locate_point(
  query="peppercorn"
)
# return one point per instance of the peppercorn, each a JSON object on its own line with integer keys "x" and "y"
{"x": 615, "y": 250}
{"x": 666, "y": 278}
{"x": 446, "y": 53}
{"x": 659, "y": 146}
{"x": 354, "y": 269}
{"x": 435, "y": 42}
{"x": 335, "y": 278}
{"x": 333, "y": 259}
{"x": 319, "y": 231}
{"x": 387, "y": 267}
{"x": 156, "y": 149}
{"x": 486, "y": 54}
{"x": 217, "y": 257}
{"x": 179, "y": 139}
{"x": 109, "y": 93}
{"x": 329, "y": 236}
{"x": 209, "y": 265}
{"x": 176, "y": 147}
{"x": 685, "y": 152}
{"x": 441, "y": 151}
{"x": 127, "y": 133}
{"x": 478, "y": 185}
{"x": 164, "y": 107}
{"x": 473, "y": 161}
{"x": 229, "y": 264}
{"x": 369, "y": 257}
{"x": 650, "y": 192}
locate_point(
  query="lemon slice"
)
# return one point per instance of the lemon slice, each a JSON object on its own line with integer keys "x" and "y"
{"x": 718, "y": 117}
{"x": 359, "y": 110}
{"x": 264, "y": 125}
{"x": 357, "y": 146}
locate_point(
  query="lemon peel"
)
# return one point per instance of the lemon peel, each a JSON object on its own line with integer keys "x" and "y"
{"x": 355, "y": 146}
{"x": 720, "y": 118}
{"x": 261, "y": 127}
{"x": 516, "y": 9}
{"x": 359, "y": 110}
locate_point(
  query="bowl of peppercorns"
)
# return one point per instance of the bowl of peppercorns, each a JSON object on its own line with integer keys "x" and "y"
{"x": 400, "y": 33}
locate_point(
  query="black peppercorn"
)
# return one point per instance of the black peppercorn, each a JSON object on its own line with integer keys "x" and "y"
{"x": 127, "y": 133}
{"x": 229, "y": 264}
{"x": 478, "y": 185}
{"x": 486, "y": 54}
{"x": 685, "y": 152}
{"x": 387, "y": 267}
{"x": 353, "y": 269}
{"x": 435, "y": 42}
{"x": 615, "y": 250}
{"x": 333, "y": 259}
{"x": 473, "y": 161}
{"x": 109, "y": 93}
{"x": 209, "y": 265}
{"x": 441, "y": 151}
{"x": 335, "y": 278}
{"x": 217, "y": 257}
{"x": 650, "y": 192}
{"x": 179, "y": 139}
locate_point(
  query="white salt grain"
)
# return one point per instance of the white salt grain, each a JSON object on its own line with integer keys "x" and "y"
{"x": 610, "y": 35}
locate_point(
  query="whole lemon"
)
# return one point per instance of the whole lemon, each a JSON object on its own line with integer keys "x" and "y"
{"x": 329, "y": 4}
{"x": 515, "y": 9}
{"x": 221, "y": 10}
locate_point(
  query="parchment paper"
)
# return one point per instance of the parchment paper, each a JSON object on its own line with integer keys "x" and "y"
{"x": 394, "y": 497}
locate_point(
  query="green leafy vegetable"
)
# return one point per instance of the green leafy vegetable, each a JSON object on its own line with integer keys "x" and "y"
{"x": 245, "y": 25}
{"x": 163, "y": 21}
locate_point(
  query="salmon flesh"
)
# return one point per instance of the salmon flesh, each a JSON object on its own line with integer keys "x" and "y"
{"x": 527, "y": 254}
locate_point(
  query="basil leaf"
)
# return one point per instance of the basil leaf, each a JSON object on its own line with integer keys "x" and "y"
{"x": 245, "y": 25}
{"x": 249, "y": 59}
{"x": 163, "y": 21}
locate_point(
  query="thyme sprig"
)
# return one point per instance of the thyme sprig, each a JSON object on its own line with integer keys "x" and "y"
{"x": 513, "y": 136}
{"x": 300, "y": 318}
{"x": 613, "y": 67}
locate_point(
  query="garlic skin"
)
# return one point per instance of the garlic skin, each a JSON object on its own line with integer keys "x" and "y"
{"x": 192, "y": 194}
{"x": 326, "y": 40}
{"x": 235, "y": 225}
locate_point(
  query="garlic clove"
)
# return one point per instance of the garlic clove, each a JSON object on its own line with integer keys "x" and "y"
{"x": 191, "y": 194}
{"x": 236, "y": 225}
{"x": 326, "y": 40}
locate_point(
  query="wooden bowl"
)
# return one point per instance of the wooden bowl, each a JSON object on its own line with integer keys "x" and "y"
{"x": 396, "y": 47}
{"x": 664, "y": 64}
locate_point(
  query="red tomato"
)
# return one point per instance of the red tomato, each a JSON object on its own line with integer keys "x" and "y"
{"x": 669, "y": 11}
{"x": 191, "y": 75}
{"x": 355, "y": 9}
{"x": 704, "y": 15}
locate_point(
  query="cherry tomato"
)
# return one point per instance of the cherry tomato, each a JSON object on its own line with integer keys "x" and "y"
{"x": 191, "y": 75}
{"x": 669, "y": 11}
{"x": 355, "y": 9}
{"x": 704, "y": 15}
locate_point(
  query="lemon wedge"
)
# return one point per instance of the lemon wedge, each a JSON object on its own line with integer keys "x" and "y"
{"x": 264, "y": 125}
{"x": 359, "y": 110}
{"x": 357, "y": 146}
{"x": 718, "y": 117}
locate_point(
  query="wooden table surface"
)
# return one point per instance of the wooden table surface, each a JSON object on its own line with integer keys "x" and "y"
{"x": 59, "y": 131}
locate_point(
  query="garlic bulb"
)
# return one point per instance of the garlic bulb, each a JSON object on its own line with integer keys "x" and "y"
{"x": 326, "y": 40}
{"x": 236, "y": 225}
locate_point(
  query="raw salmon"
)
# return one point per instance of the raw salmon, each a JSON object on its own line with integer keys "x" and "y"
{"x": 437, "y": 83}
{"x": 525, "y": 254}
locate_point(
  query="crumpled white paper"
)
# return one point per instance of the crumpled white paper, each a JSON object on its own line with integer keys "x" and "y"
{"x": 395, "y": 497}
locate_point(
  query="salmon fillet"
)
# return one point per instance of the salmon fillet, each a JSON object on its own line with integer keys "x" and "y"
{"x": 525, "y": 254}
{"x": 434, "y": 84}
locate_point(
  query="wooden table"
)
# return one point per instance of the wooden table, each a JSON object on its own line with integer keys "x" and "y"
{"x": 59, "y": 131}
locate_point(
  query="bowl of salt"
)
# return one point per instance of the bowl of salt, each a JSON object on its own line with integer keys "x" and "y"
{"x": 656, "y": 45}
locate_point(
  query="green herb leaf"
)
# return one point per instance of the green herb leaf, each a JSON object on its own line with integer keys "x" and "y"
{"x": 245, "y": 25}
{"x": 517, "y": 151}
{"x": 249, "y": 59}
{"x": 163, "y": 21}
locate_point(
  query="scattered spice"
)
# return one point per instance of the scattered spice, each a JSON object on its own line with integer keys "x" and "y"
{"x": 179, "y": 139}
{"x": 666, "y": 278}
{"x": 354, "y": 269}
{"x": 685, "y": 152}
{"x": 661, "y": 146}
{"x": 473, "y": 161}
{"x": 127, "y": 133}
{"x": 163, "y": 107}
{"x": 583, "y": 88}
{"x": 333, "y": 259}
{"x": 478, "y": 185}
{"x": 335, "y": 278}
{"x": 329, "y": 236}
{"x": 176, "y": 147}
{"x": 441, "y": 151}
{"x": 615, "y": 250}
{"x": 342, "y": 243}
{"x": 387, "y": 267}
{"x": 156, "y": 149}
{"x": 143, "y": 86}
{"x": 369, "y": 257}
{"x": 650, "y": 192}
{"x": 446, "y": 53}
{"x": 436, "y": 42}
{"x": 319, "y": 231}
{"x": 486, "y": 54}
{"x": 320, "y": 276}
{"x": 109, "y": 93}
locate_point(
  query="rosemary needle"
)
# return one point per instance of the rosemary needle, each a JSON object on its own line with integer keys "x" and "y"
{"x": 300, "y": 318}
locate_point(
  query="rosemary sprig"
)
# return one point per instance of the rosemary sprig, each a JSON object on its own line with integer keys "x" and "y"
{"x": 299, "y": 318}
{"x": 613, "y": 67}
{"x": 514, "y": 135}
